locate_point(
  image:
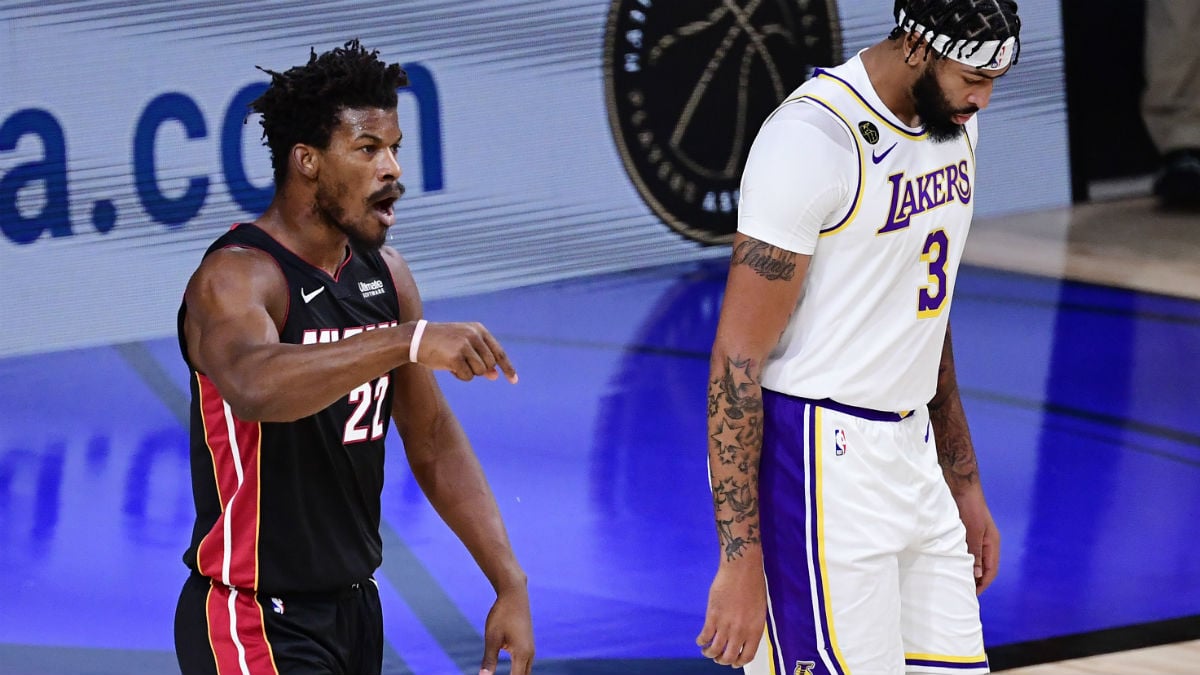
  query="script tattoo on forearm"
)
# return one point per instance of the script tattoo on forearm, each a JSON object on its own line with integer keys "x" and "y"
{"x": 767, "y": 261}
{"x": 956, "y": 454}
{"x": 735, "y": 430}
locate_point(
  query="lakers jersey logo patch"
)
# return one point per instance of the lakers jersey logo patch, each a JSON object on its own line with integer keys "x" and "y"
{"x": 869, "y": 131}
{"x": 805, "y": 668}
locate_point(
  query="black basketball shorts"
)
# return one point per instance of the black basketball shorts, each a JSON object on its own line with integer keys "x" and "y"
{"x": 226, "y": 631}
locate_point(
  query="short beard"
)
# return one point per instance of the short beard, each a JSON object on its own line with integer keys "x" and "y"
{"x": 332, "y": 213}
{"x": 934, "y": 110}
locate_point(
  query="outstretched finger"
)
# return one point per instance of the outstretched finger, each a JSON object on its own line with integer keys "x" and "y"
{"x": 501, "y": 357}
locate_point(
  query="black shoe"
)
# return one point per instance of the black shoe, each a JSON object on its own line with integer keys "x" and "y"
{"x": 1178, "y": 186}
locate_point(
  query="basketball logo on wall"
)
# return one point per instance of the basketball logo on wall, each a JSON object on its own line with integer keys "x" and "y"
{"x": 689, "y": 83}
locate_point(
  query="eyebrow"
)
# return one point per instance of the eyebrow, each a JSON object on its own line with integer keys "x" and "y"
{"x": 373, "y": 137}
{"x": 979, "y": 73}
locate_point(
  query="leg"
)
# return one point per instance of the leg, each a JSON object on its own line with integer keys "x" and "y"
{"x": 225, "y": 631}
{"x": 363, "y": 630}
{"x": 832, "y": 577}
{"x": 940, "y": 612}
{"x": 1171, "y": 101}
{"x": 192, "y": 646}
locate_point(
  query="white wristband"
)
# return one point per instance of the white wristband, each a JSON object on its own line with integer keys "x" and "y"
{"x": 415, "y": 343}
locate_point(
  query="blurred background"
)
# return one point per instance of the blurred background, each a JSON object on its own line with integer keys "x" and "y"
{"x": 572, "y": 182}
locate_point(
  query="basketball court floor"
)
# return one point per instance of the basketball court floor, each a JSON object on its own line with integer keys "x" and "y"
{"x": 1077, "y": 338}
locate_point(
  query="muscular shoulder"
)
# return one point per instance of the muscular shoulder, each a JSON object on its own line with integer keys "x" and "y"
{"x": 406, "y": 287}
{"x": 237, "y": 275}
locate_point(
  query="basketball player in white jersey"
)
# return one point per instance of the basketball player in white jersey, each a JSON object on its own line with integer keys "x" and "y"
{"x": 854, "y": 534}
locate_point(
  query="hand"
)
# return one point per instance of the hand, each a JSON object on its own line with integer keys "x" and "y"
{"x": 983, "y": 539}
{"x": 509, "y": 627}
{"x": 465, "y": 349}
{"x": 737, "y": 613}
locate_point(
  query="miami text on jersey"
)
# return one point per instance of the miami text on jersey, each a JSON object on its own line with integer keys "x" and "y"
{"x": 314, "y": 336}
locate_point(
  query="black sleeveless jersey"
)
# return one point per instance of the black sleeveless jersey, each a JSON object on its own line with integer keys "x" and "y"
{"x": 294, "y": 507}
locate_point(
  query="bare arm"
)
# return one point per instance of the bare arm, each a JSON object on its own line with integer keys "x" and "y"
{"x": 451, "y": 477}
{"x": 236, "y": 302}
{"x": 761, "y": 293}
{"x": 956, "y": 454}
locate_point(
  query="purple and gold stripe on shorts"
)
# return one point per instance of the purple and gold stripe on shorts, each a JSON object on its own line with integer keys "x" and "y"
{"x": 799, "y": 623}
{"x": 950, "y": 664}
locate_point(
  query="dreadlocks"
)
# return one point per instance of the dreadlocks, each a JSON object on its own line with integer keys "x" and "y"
{"x": 965, "y": 22}
{"x": 302, "y": 104}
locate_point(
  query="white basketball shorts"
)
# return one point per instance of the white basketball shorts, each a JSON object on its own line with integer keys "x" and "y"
{"x": 865, "y": 556}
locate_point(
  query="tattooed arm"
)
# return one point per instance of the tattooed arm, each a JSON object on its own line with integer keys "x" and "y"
{"x": 761, "y": 293}
{"x": 956, "y": 454}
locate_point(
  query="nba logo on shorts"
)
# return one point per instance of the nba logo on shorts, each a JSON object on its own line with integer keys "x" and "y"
{"x": 804, "y": 668}
{"x": 277, "y": 605}
{"x": 839, "y": 442}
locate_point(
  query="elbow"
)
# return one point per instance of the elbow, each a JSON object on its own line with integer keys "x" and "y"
{"x": 248, "y": 408}
{"x": 253, "y": 404}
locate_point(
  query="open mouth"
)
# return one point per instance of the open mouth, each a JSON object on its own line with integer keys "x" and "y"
{"x": 384, "y": 208}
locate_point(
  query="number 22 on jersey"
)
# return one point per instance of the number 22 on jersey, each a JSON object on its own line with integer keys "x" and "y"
{"x": 361, "y": 398}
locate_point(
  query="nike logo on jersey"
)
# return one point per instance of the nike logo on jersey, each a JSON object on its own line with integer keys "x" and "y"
{"x": 309, "y": 296}
{"x": 879, "y": 158}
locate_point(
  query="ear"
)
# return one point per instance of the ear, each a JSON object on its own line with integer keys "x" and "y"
{"x": 305, "y": 160}
{"x": 914, "y": 49}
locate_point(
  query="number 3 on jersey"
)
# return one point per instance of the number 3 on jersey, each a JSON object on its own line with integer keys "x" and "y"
{"x": 931, "y": 298}
{"x": 361, "y": 399}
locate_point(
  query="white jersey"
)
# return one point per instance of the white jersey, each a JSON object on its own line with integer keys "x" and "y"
{"x": 884, "y": 212}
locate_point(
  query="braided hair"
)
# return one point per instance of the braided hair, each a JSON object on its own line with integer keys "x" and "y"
{"x": 302, "y": 104}
{"x": 963, "y": 21}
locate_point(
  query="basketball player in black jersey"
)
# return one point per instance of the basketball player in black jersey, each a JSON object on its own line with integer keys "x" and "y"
{"x": 304, "y": 334}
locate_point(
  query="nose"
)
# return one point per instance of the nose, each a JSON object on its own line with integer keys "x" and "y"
{"x": 389, "y": 168}
{"x": 981, "y": 95}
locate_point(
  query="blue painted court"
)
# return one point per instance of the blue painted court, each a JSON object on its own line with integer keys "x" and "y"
{"x": 1081, "y": 400}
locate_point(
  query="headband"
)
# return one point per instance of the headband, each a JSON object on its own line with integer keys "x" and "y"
{"x": 988, "y": 55}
